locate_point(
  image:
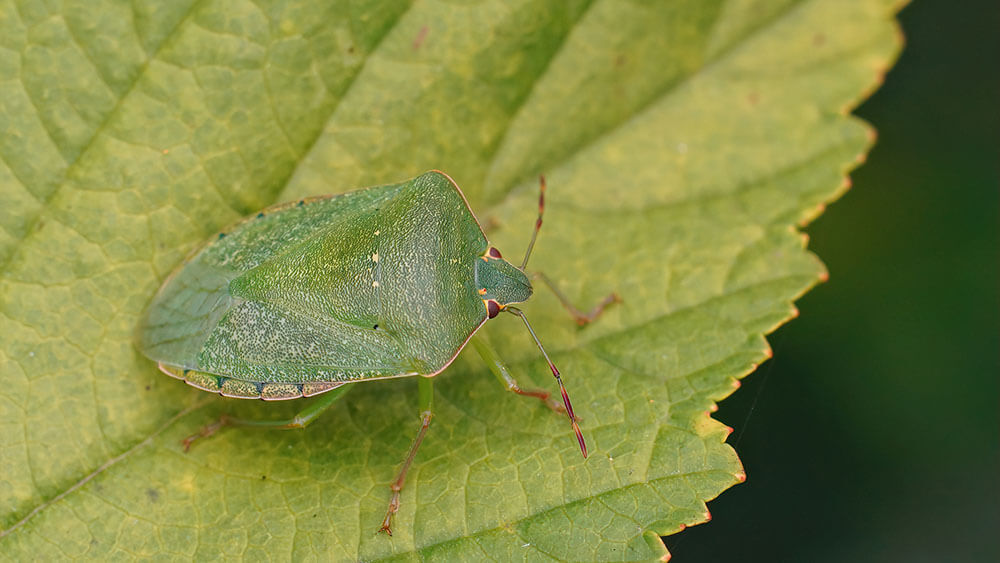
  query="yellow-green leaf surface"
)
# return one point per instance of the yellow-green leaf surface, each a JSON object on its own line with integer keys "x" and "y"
{"x": 682, "y": 140}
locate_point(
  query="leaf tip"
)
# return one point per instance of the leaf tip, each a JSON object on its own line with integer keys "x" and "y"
{"x": 655, "y": 542}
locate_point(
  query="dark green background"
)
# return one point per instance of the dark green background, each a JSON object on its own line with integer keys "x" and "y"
{"x": 873, "y": 434}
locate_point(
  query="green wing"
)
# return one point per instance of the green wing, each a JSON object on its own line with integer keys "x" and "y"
{"x": 369, "y": 284}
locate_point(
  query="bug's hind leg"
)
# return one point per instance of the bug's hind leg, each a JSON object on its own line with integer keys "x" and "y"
{"x": 301, "y": 420}
{"x": 579, "y": 316}
{"x": 500, "y": 369}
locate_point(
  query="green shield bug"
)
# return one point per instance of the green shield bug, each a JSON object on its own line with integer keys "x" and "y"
{"x": 305, "y": 297}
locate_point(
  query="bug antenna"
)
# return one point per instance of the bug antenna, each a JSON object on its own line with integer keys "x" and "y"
{"x": 538, "y": 223}
{"x": 555, "y": 373}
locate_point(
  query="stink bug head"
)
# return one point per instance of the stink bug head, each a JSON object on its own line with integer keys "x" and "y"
{"x": 500, "y": 281}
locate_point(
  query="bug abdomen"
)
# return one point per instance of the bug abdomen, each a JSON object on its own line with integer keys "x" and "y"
{"x": 230, "y": 387}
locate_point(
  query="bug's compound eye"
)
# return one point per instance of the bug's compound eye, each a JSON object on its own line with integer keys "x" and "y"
{"x": 492, "y": 307}
{"x": 494, "y": 253}
{"x": 482, "y": 291}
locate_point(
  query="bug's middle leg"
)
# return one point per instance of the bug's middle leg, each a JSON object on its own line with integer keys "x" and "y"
{"x": 500, "y": 369}
{"x": 426, "y": 390}
{"x": 301, "y": 420}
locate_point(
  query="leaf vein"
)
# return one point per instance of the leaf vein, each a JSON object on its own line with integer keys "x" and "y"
{"x": 30, "y": 223}
{"x": 101, "y": 469}
{"x": 664, "y": 92}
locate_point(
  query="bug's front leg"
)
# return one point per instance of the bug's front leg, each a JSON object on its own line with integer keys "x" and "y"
{"x": 500, "y": 369}
{"x": 426, "y": 390}
{"x": 579, "y": 316}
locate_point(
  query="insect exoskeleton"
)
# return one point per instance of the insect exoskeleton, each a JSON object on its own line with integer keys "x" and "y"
{"x": 303, "y": 298}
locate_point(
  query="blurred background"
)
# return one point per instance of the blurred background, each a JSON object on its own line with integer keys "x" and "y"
{"x": 873, "y": 433}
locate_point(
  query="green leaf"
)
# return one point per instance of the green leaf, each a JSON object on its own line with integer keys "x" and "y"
{"x": 682, "y": 142}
